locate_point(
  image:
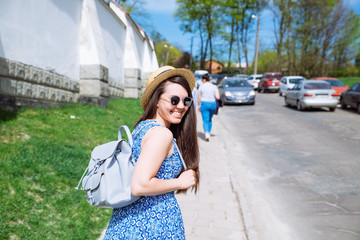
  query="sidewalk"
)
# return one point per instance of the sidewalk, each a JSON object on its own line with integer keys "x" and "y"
{"x": 214, "y": 212}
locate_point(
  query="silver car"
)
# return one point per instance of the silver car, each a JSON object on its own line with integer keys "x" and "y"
{"x": 236, "y": 90}
{"x": 288, "y": 82}
{"x": 312, "y": 94}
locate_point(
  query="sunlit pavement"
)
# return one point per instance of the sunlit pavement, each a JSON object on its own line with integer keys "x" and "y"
{"x": 214, "y": 212}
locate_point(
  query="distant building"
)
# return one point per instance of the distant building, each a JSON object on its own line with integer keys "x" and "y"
{"x": 216, "y": 67}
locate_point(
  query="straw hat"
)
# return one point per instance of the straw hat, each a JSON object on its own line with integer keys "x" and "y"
{"x": 161, "y": 75}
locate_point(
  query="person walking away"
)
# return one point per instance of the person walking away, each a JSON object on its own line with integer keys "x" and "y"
{"x": 208, "y": 94}
{"x": 168, "y": 121}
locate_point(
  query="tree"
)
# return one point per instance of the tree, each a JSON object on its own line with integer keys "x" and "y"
{"x": 136, "y": 10}
{"x": 267, "y": 61}
{"x": 247, "y": 9}
{"x": 201, "y": 17}
{"x": 166, "y": 53}
{"x": 315, "y": 34}
{"x": 282, "y": 22}
{"x": 346, "y": 46}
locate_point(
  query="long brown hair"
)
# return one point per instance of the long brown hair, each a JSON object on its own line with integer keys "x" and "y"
{"x": 184, "y": 132}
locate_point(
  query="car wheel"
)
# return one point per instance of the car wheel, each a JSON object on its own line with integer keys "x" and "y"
{"x": 280, "y": 94}
{"x": 343, "y": 105}
{"x": 299, "y": 106}
{"x": 332, "y": 109}
{"x": 358, "y": 108}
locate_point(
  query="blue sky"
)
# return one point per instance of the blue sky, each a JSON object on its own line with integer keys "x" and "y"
{"x": 161, "y": 16}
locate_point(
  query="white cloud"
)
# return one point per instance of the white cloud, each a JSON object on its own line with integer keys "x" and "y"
{"x": 160, "y": 6}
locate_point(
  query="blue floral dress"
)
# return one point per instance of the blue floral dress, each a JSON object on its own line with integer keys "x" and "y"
{"x": 151, "y": 217}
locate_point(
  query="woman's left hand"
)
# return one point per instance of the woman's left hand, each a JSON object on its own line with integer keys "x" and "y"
{"x": 187, "y": 179}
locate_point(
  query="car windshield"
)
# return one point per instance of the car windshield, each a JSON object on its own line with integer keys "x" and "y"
{"x": 317, "y": 85}
{"x": 274, "y": 76}
{"x": 198, "y": 75}
{"x": 236, "y": 83}
{"x": 295, "y": 80}
{"x": 335, "y": 83}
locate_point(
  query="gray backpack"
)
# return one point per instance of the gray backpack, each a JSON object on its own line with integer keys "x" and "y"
{"x": 108, "y": 175}
{"x": 107, "y": 178}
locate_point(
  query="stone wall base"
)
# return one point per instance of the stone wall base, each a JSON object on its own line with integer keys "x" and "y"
{"x": 23, "y": 85}
{"x": 13, "y": 103}
{"x": 132, "y": 88}
{"x": 99, "y": 101}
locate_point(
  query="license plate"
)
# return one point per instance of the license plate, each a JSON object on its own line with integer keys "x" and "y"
{"x": 240, "y": 98}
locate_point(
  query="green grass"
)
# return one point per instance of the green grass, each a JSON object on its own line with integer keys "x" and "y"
{"x": 43, "y": 153}
{"x": 349, "y": 80}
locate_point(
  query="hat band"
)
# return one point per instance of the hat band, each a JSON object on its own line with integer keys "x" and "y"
{"x": 163, "y": 72}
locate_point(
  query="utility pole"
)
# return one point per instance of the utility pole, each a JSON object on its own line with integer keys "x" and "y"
{"x": 191, "y": 51}
{"x": 257, "y": 43}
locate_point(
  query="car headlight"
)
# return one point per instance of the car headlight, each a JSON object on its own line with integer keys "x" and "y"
{"x": 252, "y": 93}
{"x": 228, "y": 94}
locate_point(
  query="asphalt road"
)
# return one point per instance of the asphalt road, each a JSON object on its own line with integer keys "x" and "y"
{"x": 299, "y": 172}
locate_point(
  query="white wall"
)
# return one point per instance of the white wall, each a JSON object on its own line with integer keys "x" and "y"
{"x": 89, "y": 48}
{"x": 44, "y": 34}
{"x": 114, "y": 34}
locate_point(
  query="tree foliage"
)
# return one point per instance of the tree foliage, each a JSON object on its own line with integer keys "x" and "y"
{"x": 312, "y": 37}
{"x": 200, "y": 17}
{"x": 318, "y": 37}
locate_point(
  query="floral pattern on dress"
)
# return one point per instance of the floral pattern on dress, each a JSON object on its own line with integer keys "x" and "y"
{"x": 151, "y": 217}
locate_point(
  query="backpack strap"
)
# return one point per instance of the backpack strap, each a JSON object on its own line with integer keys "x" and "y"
{"x": 181, "y": 158}
{"x": 129, "y": 135}
{"x": 146, "y": 124}
{"x": 124, "y": 127}
{"x": 176, "y": 146}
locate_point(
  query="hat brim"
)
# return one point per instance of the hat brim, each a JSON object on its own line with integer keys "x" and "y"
{"x": 185, "y": 73}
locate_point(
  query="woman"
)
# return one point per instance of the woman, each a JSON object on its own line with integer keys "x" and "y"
{"x": 208, "y": 94}
{"x": 168, "y": 119}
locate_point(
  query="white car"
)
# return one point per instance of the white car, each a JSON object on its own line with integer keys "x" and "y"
{"x": 288, "y": 82}
{"x": 254, "y": 80}
{"x": 198, "y": 76}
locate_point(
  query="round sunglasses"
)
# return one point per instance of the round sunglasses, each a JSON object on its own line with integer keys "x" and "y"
{"x": 174, "y": 100}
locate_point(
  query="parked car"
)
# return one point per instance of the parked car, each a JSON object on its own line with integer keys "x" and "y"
{"x": 288, "y": 82}
{"x": 223, "y": 76}
{"x": 254, "y": 80}
{"x": 236, "y": 90}
{"x": 335, "y": 83}
{"x": 351, "y": 97}
{"x": 241, "y": 75}
{"x": 201, "y": 72}
{"x": 312, "y": 94}
{"x": 198, "y": 76}
{"x": 214, "y": 78}
{"x": 270, "y": 82}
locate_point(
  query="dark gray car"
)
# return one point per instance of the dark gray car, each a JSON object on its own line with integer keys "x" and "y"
{"x": 351, "y": 97}
{"x": 235, "y": 90}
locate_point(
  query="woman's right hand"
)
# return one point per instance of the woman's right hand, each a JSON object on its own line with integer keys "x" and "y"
{"x": 187, "y": 179}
